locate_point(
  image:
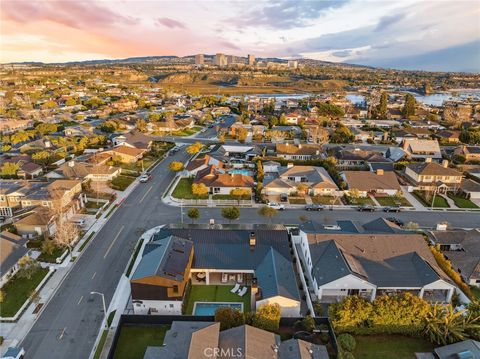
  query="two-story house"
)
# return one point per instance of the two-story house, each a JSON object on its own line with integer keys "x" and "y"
{"x": 431, "y": 176}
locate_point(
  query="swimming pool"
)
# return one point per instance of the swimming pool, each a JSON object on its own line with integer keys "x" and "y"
{"x": 241, "y": 172}
{"x": 209, "y": 308}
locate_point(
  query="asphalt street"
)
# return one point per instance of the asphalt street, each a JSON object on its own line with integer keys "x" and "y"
{"x": 69, "y": 324}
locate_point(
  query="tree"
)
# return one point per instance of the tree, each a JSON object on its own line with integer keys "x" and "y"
{"x": 444, "y": 325}
{"x": 239, "y": 193}
{"x": 267, "y": 317}
{"x": 141, "y": 125}
{"x": 382, "y": 106}
{"x": 66, "y": 232}
{"x": 48, "y": 247}
{"x": 48, "y": 105}
{"x": 409, "y": 106}
{"x": 272, "y": 121}
{"x": 193, "y": 214}
{"x": 176, "y": 166}
{"x": 199, "y": 190}
{"x": 27, "y": 267}
{"x": 194, "y": 148}
{"x": 35, "y": 297}
{"x": 354, "y": 193}
{"x": 42, "y": 157}
{"x": 241, "y": 134}
{"x": 302, "y": 188}
{"x": 231, "y": 213}
{"x": 9, "y": 169}
{"x": 269, "y": 212}
{"x": 229, "y": 317}
{"x": 342, "y": 135}
{"x": 70, "y": 102}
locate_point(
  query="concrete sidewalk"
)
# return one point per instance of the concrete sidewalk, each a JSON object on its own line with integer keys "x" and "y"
{"x": 14, "y": 333}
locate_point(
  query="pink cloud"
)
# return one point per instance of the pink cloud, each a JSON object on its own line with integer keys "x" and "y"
{"x": 81, "y": 14}
{"x": 170, "y": 23}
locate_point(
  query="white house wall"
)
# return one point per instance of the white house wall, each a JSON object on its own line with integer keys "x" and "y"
{"x": 161, "y": 307}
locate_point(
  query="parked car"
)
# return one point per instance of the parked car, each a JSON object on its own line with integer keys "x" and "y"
{"x": 397, "y": 221}
{"x": 314, "y": 207}
{"x": 79, "y": 222}
{"x": 275, "y": 205}
{"x": 366, "y": 208}
{"x": 145, "y": 177}
{"x": 284, "y": 197}
{"x": 392, "y": 209}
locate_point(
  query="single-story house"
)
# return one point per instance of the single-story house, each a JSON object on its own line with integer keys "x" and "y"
{"x": 128, "y": 154}
{"x": 370, "y": 262}
{"x": 290, "y": 151}
{"x": 379, "y": 182}
{"x": 422, "y": 149}
{"x": 29, "y": 170}
{"x": 470, "y": 188}
{"x": 38, "y": 223}
{"x": 471, "y": 153}
{"x": 222, "y": 183}
{"x": 198, "y": 164}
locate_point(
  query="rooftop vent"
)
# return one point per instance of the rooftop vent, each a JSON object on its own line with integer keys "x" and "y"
{"x": 253, "y": 240}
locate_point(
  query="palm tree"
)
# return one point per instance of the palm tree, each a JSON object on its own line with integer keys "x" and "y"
{"x": 445, "y": 326}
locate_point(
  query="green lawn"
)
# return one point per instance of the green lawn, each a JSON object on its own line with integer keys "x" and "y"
{"x": 462, "y": 202}
{"x": 359, "y": 201}
{"x": 95, "y": 205}
{"x": 325, "y": 200}
{"x": 121, "y": 183}
{"x": 17, "y": 290}
{"x": 101, "y": 344}
{"x": 230, "y": 197}
{"x": 134, "y": 340}
{"x": 390, "y": 346}
{"x": 51, "y": 258}
{"x": 215, "y": 293}
{"x": 439, "y": 200}
{"x": 297, "y": 201}
{"x": 187, "y": 131}
{"x": 184, "y": 190}
{"x": 393, "y": 201}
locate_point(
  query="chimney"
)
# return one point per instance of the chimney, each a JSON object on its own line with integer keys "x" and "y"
{"x": 379, "y": 172}
{"x": 445, "y": 163}
{"x": 253, "y": 240}
{"x": 71, "y": 163}
{"x": 428, "y": 160}
{"x": 289, "y": 165}
{"x": 300, "y": 146}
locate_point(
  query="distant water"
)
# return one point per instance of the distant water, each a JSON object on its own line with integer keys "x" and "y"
{"x": 437, "y": 99}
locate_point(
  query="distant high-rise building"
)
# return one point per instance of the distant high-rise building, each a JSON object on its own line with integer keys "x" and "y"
{"x": 231, "y": 59}
{"x": 199, "y": 59}
{"x": 251, "y": 60}
{"x": 292, "y": 64}
{"x": 220, "y": 59}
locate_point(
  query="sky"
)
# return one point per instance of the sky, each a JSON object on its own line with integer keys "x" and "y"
{"x": 410, "y": 34}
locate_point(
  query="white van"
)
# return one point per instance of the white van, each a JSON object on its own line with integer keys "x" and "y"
{"x": 79, "y": 222}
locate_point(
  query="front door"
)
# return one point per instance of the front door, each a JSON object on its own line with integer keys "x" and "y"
{"x": 353, "y": 291}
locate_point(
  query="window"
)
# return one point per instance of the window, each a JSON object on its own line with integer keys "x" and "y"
{"x": 175, "y": 289}
{"x": 171, "y": 305}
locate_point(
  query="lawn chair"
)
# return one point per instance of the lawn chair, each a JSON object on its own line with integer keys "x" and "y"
{"x": 243, "y": 291}
{"x": 235, "y": 288}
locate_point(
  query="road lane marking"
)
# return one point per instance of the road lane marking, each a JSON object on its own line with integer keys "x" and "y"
{"x": 81, "y": 298}
{"x": 62, "y": 333}
{"x": 145, "y": 195}
{"x": 94, "y": 274}
{"x": 113, "y": 242}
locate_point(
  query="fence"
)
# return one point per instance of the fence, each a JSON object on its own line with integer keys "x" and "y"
{"x": 155, "y": 320}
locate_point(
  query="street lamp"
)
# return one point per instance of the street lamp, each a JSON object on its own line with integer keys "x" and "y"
{"x": 104, "y": 306}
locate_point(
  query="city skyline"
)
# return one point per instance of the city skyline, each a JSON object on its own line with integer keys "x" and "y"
{"x": 424, "y": 35}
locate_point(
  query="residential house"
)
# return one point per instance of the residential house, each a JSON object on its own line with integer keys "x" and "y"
{"x": 367, "y": 182}
{"x": 84, "y": 171}
{"x": 80, "y": 130}
{"x": 37, "y": 145}
{"x": 159, "y": 281}
{"x": 316, "y": 179}
{"x": 41, "y": 222}
{"x": 431, "y": 176}
{"x": 10, "y": 196}
{"x": 198, "y": 164}
{"x": 29, "y": 170}
{"x": 462, "y": 249}
{"x": 290, "y": 151}
{"x": 448, "y": 137}
{"x": 466, "y": 349}
{"x": 12, "y": 248}
{"x": 471, "y": 153}
{"x": 375, "y": 259}
{"x": 133, "y": 139}
{"x": 127, "y": 154}
{"x": 470, "y": 188}
{"x": 222, "y": 183}
{"x": 195, "y": 340}
{"x": 254, "y": 256}
{"x": 11, "y": 126}
{"x": 357, "y": 158}
{"x": 422, "y": 149}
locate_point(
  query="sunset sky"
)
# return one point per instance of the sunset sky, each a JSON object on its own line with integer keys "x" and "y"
{"x": 432, "y": 35}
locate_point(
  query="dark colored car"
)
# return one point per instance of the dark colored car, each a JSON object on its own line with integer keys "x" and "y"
{"x": 313, "y": 207}
{"x": 397, "y": 221}
{"x": 392, "y": 209}
{"x": 366, "y": 208}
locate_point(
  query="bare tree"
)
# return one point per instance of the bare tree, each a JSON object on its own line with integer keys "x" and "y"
{"x": 66, "y": 233}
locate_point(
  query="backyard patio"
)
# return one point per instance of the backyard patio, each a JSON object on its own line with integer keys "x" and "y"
{"x": 216, "y": 293}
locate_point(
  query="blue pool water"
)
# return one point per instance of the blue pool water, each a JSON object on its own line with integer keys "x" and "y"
{"x": 210, "y": 308}
{"x": 240, "y": 171}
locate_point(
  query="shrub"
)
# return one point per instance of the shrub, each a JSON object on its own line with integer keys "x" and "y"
{"x": 325, "y": 338}
{"x": 308, "y": 323}
{"x": 228, "y": 318}
{"x": 267, "y": 317}
{"x": 347, "y": 342}
{"x": 347, "y": 355}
